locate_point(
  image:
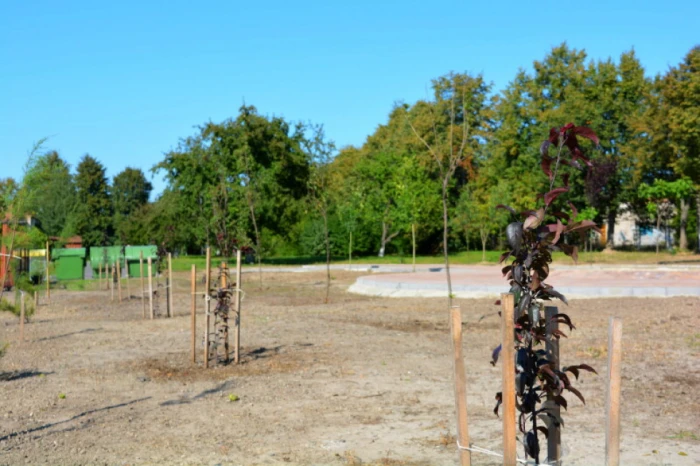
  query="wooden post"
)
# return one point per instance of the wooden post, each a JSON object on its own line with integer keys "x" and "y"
{"x": 193, "y": 313}
{"x": 237, "y": 317}
{"x": 150, "y": 289}
{"x": 111, "y": 281}
{"x": 207, "y": 307}
{"x": 128, "y": 287}
{"x": 508, "y": 389}
{"x": 171, "y": 304}
{"x": 22, "y": 312}
{"x": 48, "y": 276}
{"x": 612, "y": 425}
{"x": 143, "y": 288}
{"x": 552, "y": 348}
{"x": 99, "y": 276}
{"x": 460, "y": 387}
{"x": 119, "y": 279}
{"x": 413, "y": 231}
{"x": 350, "y": 253}
{"x": 224, "y": 318}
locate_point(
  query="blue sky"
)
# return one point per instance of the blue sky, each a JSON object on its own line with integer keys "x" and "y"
{"x": 124, "y": 81}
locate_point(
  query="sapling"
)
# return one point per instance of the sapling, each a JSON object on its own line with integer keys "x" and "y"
{"x": 540, "y": 386}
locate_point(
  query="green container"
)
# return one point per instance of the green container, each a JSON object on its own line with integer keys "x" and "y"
{"x": 69, "y": 263}
{"x": 132, "y": 255}
{"x": 105, "y": 256}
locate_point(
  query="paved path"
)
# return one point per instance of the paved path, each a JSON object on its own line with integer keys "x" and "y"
{"x": 584, "y": 281}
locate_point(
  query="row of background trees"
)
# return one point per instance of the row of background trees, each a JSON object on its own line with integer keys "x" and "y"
{"x": 283, "y": 188}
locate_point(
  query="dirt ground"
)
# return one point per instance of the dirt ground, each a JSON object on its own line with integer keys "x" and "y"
{"x": 361, "y": 380}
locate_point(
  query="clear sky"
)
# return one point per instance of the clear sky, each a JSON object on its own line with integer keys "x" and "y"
{"x": 125, "y": 80}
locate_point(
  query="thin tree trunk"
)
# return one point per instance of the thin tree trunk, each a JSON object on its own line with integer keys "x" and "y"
{"x": 658, "y": 227}
{"x": 484, "y": 237}
{"x": 444, "y": 243}
{"x": 413, "y": 231}
{"x": 685, "y": 210}
{"x": 610, "y": 243}
{"x": 381, "y": 247}
{"x": 328, "y": 256}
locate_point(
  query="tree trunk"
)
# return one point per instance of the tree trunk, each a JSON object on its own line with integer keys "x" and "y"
{"x": 658, "y": 226}
{"x": 444, "y": 243}
{"x": 612, "y": 216}
{"x": 328, "y": 256}
{"x": 413, "y": 231}
{"x": 685, "y": 210}
{"x": 386, "y": 238}
{"x": 381, "y": 247}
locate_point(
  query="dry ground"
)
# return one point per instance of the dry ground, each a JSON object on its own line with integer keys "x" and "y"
{"x": 359, "y": 381}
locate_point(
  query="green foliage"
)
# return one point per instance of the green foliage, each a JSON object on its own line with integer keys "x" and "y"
{"x": 52, "y": 192}
{"x": 93, "y": 216}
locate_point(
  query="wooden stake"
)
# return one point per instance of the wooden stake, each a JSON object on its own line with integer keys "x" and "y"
{"x": 350, "y": 252}
{"x": 171, "y": 304}
{"x": 22, "y": 312}
{"x": 207, "y": 307}
{"x": 225, "y": 319}
{"x": 508, "y": 388}
{"x": 552, "y": 348}
{"x": 143, "y": 288}
{"x": 237, "y": 317}
{"x": 460, "y": 386}
{"x": 119, "y": 280}
{"x": 413, "y": 231}
{"x": 111, "y": 281}
{"x": 150, "y": 289}
{"x": 612, "y": 425}
{"x": 48, "y": 277}
{"x": 193, "y": 313}
{"x": 128, "y": 288}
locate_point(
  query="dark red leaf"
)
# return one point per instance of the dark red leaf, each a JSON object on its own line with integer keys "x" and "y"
{"x": 553, "y": 135}
{"x": 557, "y": 233}
{"x": 561, "y": 215}
{"x": 574, "y": 212}
{"x": 546, "y": 163}
{"x": 563, "y": 318}
{"x": 544, "y": 430}
{"x": 505, "y": 256}
{"x": 577, "y": 393}
{"x": 554, "y": 193}
{"x": 561, "y": 401}
{"x": 587, "y": 133}
{"x": 565, "y": 179}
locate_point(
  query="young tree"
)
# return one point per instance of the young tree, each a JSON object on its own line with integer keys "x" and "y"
{"x": 320, "y": 153}
{"x": 94, "y": 210}
{"x": 450, "y": 128}
{"x": 130, "y": 192}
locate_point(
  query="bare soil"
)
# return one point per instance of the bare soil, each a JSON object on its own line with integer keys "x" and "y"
{"x": 361, "y": 380}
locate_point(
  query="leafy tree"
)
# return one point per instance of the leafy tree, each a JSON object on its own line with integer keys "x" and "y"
{"x": 130, "y": 192}
{"x": 51, "y": 192}
{"x": 660, "y": 197}
{"x": 94, "y": 210}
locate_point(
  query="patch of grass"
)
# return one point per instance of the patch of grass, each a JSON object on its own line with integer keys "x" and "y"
{"x": 684, "y": 435}
{"x": 694, "y": 341}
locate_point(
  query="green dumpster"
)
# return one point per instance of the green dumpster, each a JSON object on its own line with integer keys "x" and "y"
{"x": 132, "y": 254}
{"x": 69, "y": 263}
